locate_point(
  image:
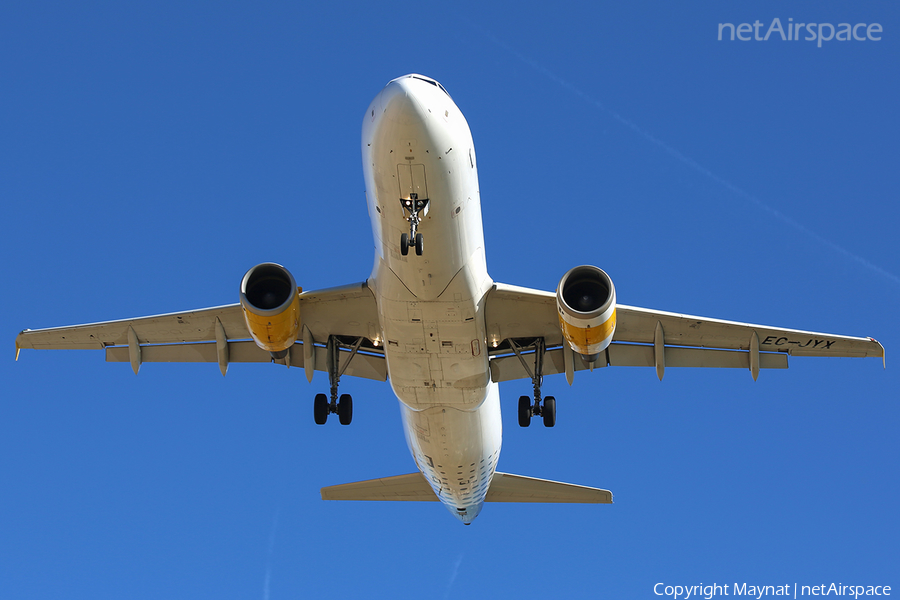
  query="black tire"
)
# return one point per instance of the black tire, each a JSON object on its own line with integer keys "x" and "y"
{"x": 420, "y": 244}
{"x": 320, "y": 409}
{"x": 524, "y": 411}
{"x": 549, "y": 411}
{"x": 345, "y": 409}
{"x": 404, "y": 244}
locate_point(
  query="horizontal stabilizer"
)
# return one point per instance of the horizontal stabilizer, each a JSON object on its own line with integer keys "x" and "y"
{"x": 412, "y": 487}
{"x": 504, "y": 488}
{"x": 516, "y": 488}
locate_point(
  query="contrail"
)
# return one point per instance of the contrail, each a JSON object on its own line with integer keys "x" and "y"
{"x": 453, "y": 576}
{"x": 271, "y": 549}
{"x": 688, "y": 161}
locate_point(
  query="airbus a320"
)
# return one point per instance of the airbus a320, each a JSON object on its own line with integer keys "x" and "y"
{"x": 430, "y": 320}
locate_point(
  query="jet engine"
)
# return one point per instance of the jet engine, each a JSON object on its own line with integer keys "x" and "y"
{"x": 271, "y": 302}
{"x": 586, "y": 302}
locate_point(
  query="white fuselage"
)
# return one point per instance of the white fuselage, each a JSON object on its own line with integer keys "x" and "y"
{"x": 416, "y": 143}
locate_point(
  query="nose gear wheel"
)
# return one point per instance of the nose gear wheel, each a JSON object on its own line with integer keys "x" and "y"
{"x": 413, "y": 205}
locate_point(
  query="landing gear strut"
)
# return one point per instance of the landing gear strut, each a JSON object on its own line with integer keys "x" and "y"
{"x": 545, "y": 410}
{"x": 412, "y": 205}
{"x": 341, "y": 406}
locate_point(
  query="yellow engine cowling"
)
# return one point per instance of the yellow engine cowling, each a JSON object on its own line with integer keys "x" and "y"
{"x": 586, "y": 302}
{"x": 271, "y": 302}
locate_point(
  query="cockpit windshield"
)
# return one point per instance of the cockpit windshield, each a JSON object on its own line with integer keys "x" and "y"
{"x": 431, "y": 81}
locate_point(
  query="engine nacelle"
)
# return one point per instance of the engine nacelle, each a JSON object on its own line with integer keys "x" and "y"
{"x": 271, "y": 302}
{"x": 586, "y": 302}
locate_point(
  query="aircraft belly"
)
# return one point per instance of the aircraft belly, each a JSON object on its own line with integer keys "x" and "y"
{"x": 435, "y": 353}
{"x": 418, "y": 146}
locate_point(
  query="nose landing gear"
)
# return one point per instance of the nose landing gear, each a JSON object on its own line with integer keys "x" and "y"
{"x": 417, "y": 241}
{"x": 413, "y": 205}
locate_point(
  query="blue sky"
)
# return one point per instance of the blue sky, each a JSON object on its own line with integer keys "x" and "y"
{"x": 152, "y": 154}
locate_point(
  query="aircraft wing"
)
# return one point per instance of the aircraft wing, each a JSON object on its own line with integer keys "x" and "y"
{"x": 219, "y": 334}
{"x": 649, "y": 338}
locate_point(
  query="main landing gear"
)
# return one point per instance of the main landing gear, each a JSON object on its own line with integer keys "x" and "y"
{"x": 407, "y": 240}
{"x": 343, "y": 408}
{"x": 545, "y": 409}
{"x": 341, "y": 405}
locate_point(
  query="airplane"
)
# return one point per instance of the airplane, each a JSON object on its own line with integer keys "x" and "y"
{"x": 430, "y": 320}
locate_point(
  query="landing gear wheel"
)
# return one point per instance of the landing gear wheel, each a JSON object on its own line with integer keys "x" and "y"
{"x": 404, "y": 244}
{"x": 524, "y": 411}
{"x": 420, "y": 244}
{"x": 345, "y": 409}
{"x": 549, "y": 411}
{"x": 320, "y": 409}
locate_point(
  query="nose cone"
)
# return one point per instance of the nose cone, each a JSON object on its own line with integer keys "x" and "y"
{"x": 401, "y": 101}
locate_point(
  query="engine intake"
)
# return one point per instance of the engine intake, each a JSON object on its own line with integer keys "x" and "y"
{"x": 271, "y": 302}
{"x": 586, "y": 302}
